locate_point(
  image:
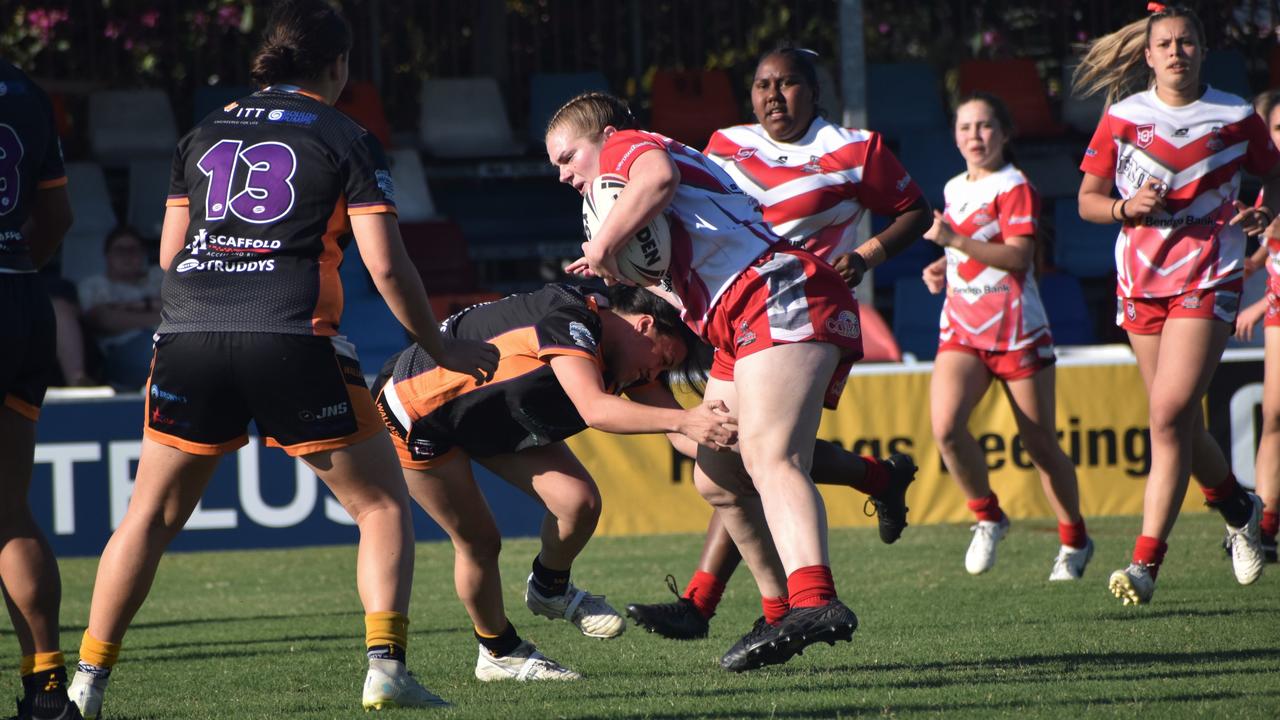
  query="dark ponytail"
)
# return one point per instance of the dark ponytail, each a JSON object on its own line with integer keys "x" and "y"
{"x": 696, "y": 367}
{"x": 302, "y": 38}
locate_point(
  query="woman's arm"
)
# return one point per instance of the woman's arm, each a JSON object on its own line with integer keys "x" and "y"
{"x": 1097, "y": 205}
{"x": 50, "y": 219}
{"x": 1015, "y": 254}
{"x": 906, "y": 228}
{"x": 173, "y": 234}
{"x": 708, "y": 424}
{"x": 935, "y": 275}
{"x": 658, "y": 395}
{"x": 651, "y": 187}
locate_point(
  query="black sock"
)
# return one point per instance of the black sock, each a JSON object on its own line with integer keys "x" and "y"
{"x": 386, "y": 652}
{"x": 45, "y": 693}
{"x": 503, "y": 644}
{"x": 1237, "y": 510}
{"x": 548, "y": 582}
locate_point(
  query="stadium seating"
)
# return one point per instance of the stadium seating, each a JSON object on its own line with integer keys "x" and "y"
{"x": 1054, "y": 174}
{"x": 361, "y": 102}
{"x": 548, "y": 91}
{"x": 1080, "y": 114}
{"x": 904, "y": 99}
{"x": 689, "y": 105}
{"x": 208, "y": 98}
{"x": 148, "y": 188}
{"x": 1225, "y": 69}
{"x": 915, "y": 317}
{"x": 93, "y": 219}
{"x": 465, "y": 118}
{"x": 126, "y": 124}
{"x": 413, "y": 198}
{"x": 439, "y": 252}
{"x": 1018, "y": 83}
{"x": 1082, "y": 248}
{"x": 932, "y": 159}
{"x": 1068, "y": 312}
{"x": 368, "y": 322}
{"x": 907, "y": 264}
{"x": 878, "y": 343}
{"x": 356, "y": 282}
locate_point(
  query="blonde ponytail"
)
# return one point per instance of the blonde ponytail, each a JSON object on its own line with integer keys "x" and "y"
{"x": 1117, "y": 64}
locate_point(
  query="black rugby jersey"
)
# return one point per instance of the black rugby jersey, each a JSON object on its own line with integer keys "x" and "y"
{"x": 524, "y": 405}
{"x": 270, "y": 181}
{"x": 30, "y": 160}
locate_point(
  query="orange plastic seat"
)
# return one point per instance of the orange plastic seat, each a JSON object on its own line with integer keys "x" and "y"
{"x": 690, "y": 105}
{"x": 362, "y": 103}
{"x": 1017, "y": 82}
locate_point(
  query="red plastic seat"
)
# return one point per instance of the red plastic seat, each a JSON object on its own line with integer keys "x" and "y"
{"x": 878, "y": 343}
{"x": 439, "y": 252}
{"x": 1017, "y": 82}
{"x": 690, "y": 105}
{"x": 362, "y": 103}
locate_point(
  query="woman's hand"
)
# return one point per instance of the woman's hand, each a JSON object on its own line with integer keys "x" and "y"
{"x": 940, "y": 233}
{"x": 1149, "y": 199}
{"x": 935, "y": 276}
{"x": 852, "y": 267}
{"x": 469, "y": 357}
{"x": 1248, "y": 319}
{"x": 595, "y": 263}
{"x": 710, "y": 425}
{"x": 1252, "y": 220}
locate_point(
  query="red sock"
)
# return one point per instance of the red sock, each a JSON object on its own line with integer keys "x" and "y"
{"x": 1270, "y": 522}
{"x": 811, "y": 586}
{"x": 774, "y": 609}
{"x": 1073, "y": 535}
{"x": 875, "y": 480}
{"x": 987, "y": 508}
{"x": 704, "y": 591}
{"x": 1150, "y": 552}
{"x": 1224, "y": 491}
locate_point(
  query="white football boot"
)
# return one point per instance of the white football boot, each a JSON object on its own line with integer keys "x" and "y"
{"x": 1245, "y": 546}
{"x": 389, "y": 684}
{"x": 981, "y": 556}
{"x": 590, "y": 613}
{"x": 523, "y": 663}
{"x": 1071, "y": 562}
{"x": 1133, "y": 585}
{"x": 86, "y": 691}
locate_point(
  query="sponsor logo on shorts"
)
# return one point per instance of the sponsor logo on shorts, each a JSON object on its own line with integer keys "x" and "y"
{"x": 1191, "y": 302}
{"x": 327, "y": 412}
{"x": 421, "y": 449}
{"x": 159, "y": 394}
{"x": 746, "y": 335}
{"x": 845, "y": 324}
{"x": 582, "y": 336}
{"x": 392, "y": 427}
{"x": 160, "y": 419}
{"x": 1130, "y": 311}
{"x": 1146, "y": 134}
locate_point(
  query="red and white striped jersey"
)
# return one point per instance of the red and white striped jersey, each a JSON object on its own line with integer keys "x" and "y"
{"x": 989, "y": 308}
{"x": 717, "y": 231}
{"x": 1197, "y": 152}
{"x": 1273, "y": 250}
{"x": 816, "y": 189}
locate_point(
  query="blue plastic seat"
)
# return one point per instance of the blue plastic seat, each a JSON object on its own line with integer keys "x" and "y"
{"x": 904, "y": 99}
{"x": 916, "y": 312}
{"x": 1082, "y": 248}
{"x": 1069, "y": 318}
{"x": 368, "y": 323}
{"x": 906, "y": 265}
{"x": 548, "y": 91}
{"x": 1225, "y": 69}
{"x": 931, "y": 157}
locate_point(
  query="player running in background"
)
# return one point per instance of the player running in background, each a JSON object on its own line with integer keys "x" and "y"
{"x": 1174, "y": 150}
{"x": 994, "y": 325}
{"x": 1266, "y": 473}
{"x": 814, "y": 180}
{"x": 565, "y": 355}
{"x": 261, "y": 194}
{"x": 35, "y": 213}
{"x": 770, "y": 311}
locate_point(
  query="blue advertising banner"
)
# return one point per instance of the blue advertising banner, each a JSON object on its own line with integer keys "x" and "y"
{"x": 87, "y": 454}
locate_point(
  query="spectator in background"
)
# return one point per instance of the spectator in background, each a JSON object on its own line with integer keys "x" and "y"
{"x": 122, "y": 308}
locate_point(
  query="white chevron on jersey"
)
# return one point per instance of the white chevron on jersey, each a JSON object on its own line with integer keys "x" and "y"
{"x": 990, "y": 308}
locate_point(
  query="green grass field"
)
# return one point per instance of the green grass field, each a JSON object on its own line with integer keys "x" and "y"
{"x": 278, "y": 634}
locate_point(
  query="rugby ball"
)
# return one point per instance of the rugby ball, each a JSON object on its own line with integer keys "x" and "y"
{"x": 647, "y": 255}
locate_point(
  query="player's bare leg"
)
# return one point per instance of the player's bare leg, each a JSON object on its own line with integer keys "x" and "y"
{"x": 1267, "y": 469}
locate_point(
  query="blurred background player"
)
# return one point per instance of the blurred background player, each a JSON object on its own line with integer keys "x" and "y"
{"x": 994, "y": 325}
{"x": 1174, "y": 149}
{"x": 770, "y": 310}
{"x": 261, "y": 194}
{"x": 565, "y": 355}
{"x": 814, "y": 180}
{"x": 35, "y": 213}
{"x": 1267, "y": 466}
{"x": 122, "y": 308}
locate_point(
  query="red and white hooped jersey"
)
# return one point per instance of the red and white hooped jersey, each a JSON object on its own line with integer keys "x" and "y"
{"x": 1273, "y": 252}
{"x": 816, "y": 189}
{"x": 989, "y": 308}
{"x": 717, "y": 231}
{"x": 1197, "y": 151}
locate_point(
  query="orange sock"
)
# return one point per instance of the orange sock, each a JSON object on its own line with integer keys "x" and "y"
{"x": 386, "y": 634}
{"x": 27, "y": 666}
{"x": 43, "y": 662}
{"x": 99, "y": 653}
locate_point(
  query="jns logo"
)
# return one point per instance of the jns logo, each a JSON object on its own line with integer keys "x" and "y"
{"x": 325, "y": 413}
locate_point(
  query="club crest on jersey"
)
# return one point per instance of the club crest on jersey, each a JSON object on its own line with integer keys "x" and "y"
{"x": 1146, "y": 134}
{"x": 744, "y": 154}
{"x": 582, "y": 337}
{"x": 814, "y": 165}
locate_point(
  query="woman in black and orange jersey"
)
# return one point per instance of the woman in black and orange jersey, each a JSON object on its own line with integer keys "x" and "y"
{"x": 1174, "y": 149}
{"x": 35, "y": 213}
{"x": 565, "y": 355}
{"x": 261, "y": 193}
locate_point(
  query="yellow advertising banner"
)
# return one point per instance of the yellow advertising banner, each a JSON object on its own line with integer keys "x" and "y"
{"x": 1102, "y": 423}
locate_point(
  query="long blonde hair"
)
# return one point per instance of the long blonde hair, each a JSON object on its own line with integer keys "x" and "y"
{"x": 1116, "y": 63}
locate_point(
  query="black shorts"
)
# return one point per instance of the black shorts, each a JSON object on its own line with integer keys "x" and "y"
{"x": 28, "y": 335}
{"x": 305, "y": 392}
{"x": 418, "y": 447}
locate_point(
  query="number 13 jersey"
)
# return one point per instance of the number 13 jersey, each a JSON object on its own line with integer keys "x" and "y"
{"x": 270, "y": 181}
